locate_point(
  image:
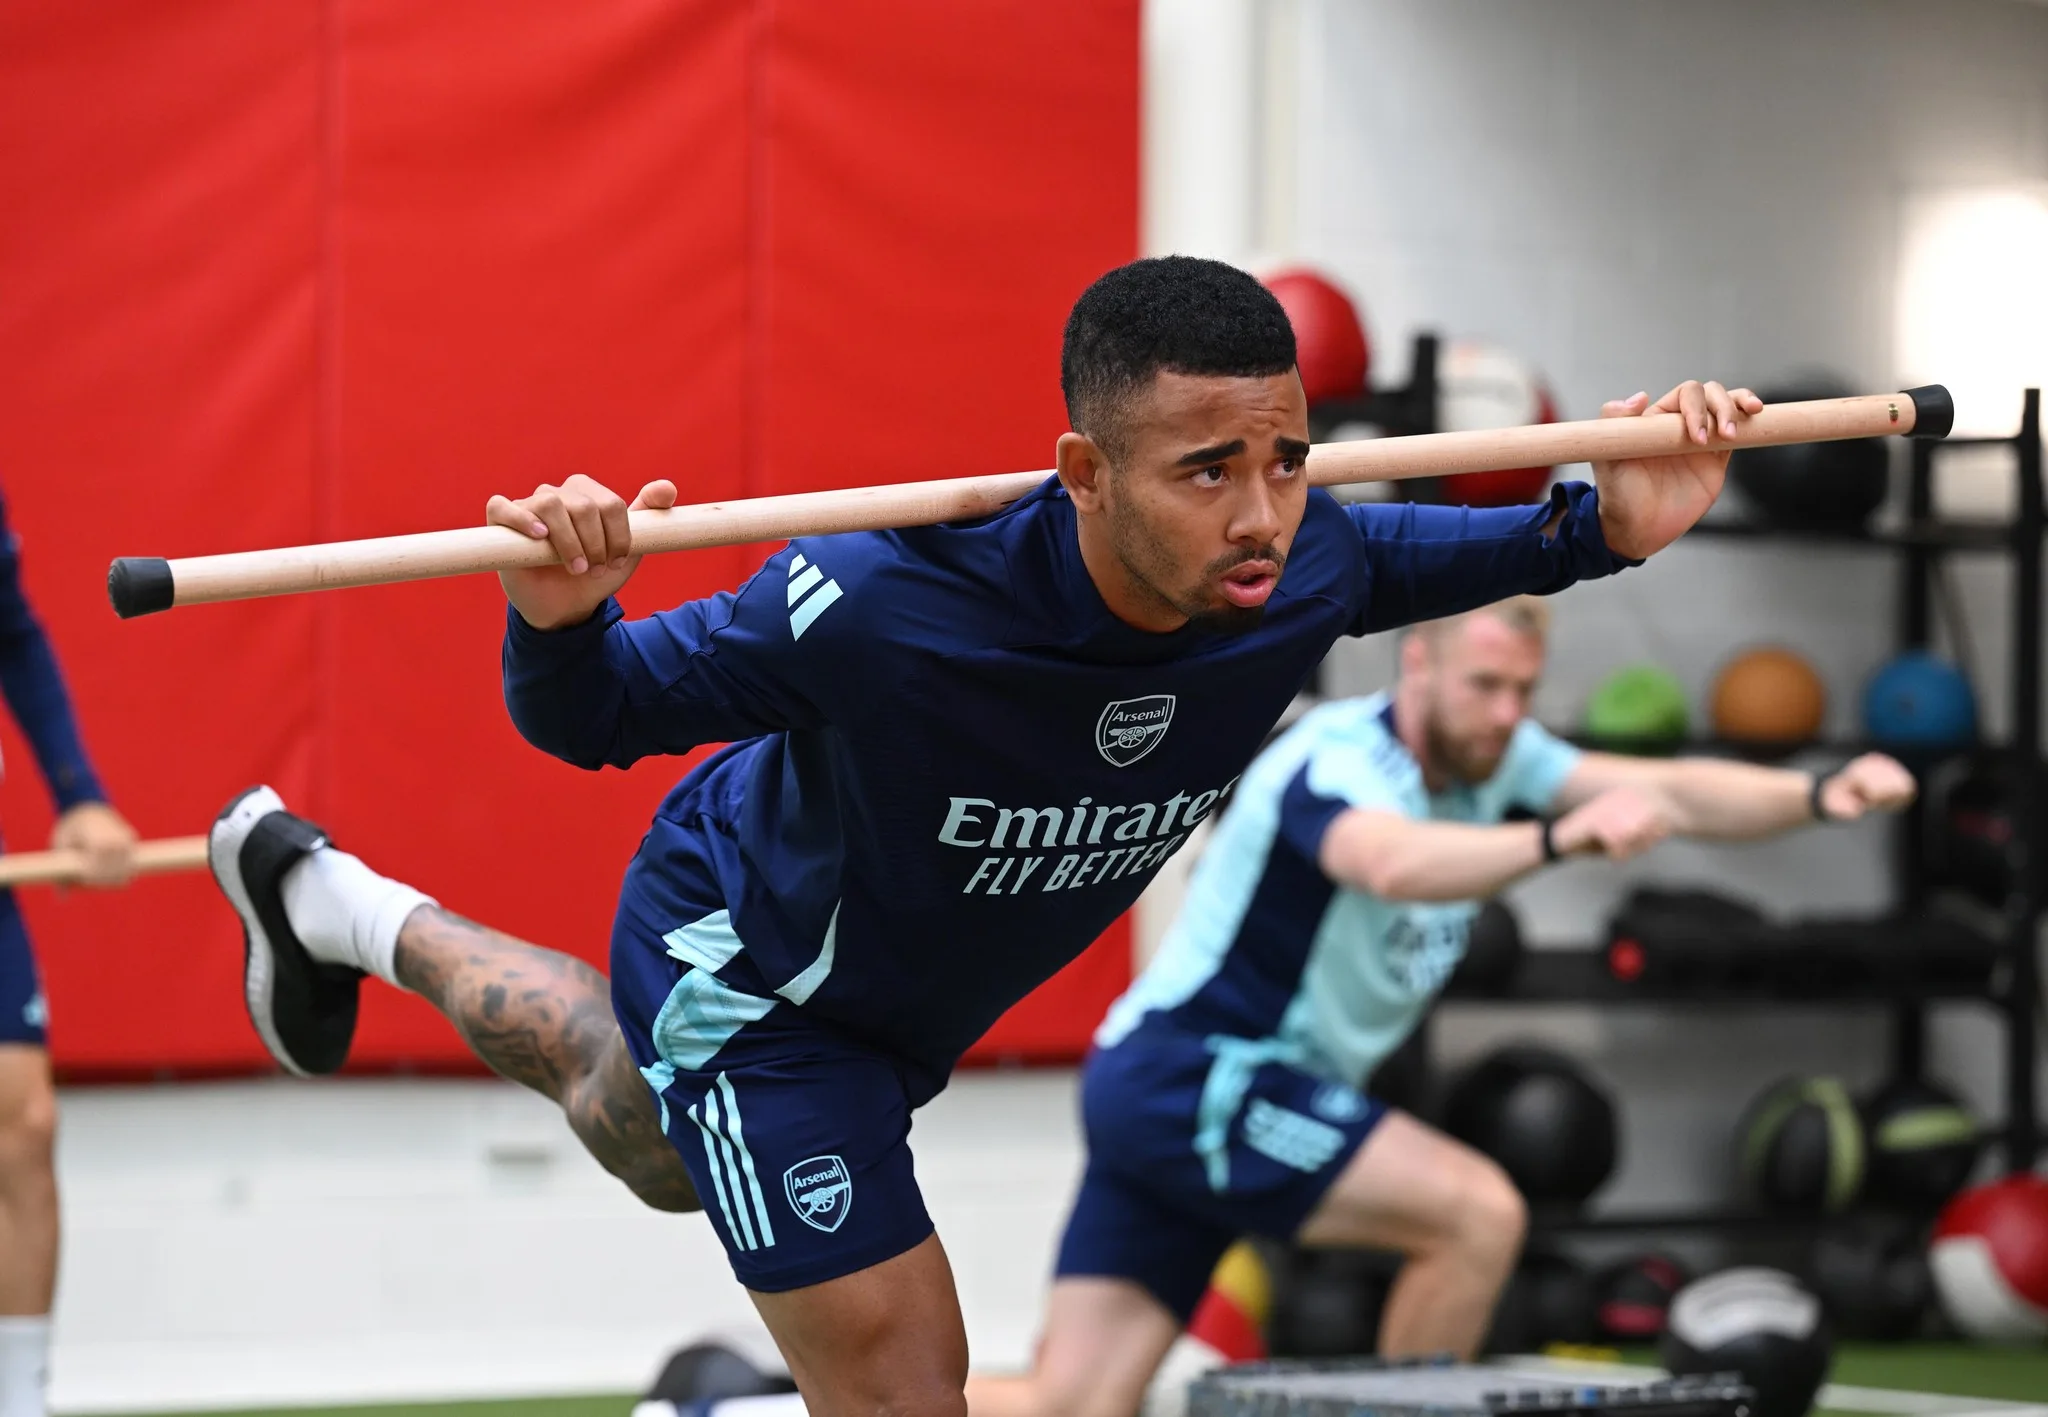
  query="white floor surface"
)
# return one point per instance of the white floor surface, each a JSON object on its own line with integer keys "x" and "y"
{"x": 243, "y": 1244}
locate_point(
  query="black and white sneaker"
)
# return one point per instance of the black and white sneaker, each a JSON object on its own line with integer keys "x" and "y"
{"x": 303, "y": 1009}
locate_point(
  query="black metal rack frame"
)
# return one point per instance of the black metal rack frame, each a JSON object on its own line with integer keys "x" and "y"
{"x": 2020, "y": 997}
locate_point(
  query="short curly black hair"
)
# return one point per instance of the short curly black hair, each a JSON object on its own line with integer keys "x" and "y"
{"x": 1181, "y": 314}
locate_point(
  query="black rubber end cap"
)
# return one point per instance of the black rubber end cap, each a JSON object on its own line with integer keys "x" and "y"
{"x": 141, "y": 585}
{"x": 1934, "y": 411}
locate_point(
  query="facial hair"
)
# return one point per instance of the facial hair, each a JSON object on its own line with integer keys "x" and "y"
{"x": 1456, "y": 757}
{"x": 1145, "y": 560}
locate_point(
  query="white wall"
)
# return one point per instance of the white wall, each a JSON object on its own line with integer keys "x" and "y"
{"x": 1634, "y": 195}
{"x": 1200, "y": 130}
{"x": 1632, "y": 192}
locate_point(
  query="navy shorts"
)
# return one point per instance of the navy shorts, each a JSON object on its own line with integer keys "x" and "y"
{"x": 23, "y": 1014}
{"x": 797, "y": 1135}
{"x": 1193, "y": 1143}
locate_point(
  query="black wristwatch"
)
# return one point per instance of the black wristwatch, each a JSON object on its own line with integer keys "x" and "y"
{"x": 1550, "y": 851}
{"x": 1813, "y": 802}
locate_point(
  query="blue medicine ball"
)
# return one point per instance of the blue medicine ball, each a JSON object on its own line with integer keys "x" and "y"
{"x": 1920, "y": 701}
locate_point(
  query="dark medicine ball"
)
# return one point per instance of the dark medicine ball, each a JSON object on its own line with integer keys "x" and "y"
{"x": 1922, "y": 1145}
{"x": 1548, "y": 1299}
{"x": 1493, "y": 951}
{"x": 711, "y": 1372}
{"x": 1756, "y": 1322}
{"x": 1632, "y": 1298}
{"x": 1973, "y": 841}
{"x": 1536, "y": 1114}
{"x": 1814, "y": 486}
{"x": 1871, "y": 1274}
{"x": 1402, "y": 1078}
{"x": 1327, "y": 1303}
{"x": 1800, "y": 1147}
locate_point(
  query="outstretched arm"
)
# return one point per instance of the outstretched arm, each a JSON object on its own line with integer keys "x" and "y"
{"x": 1397, "y": 857}
{"x": 1733, "y": 801}
{"x": 1394, "y": 857}
{"x": 1423, "y": 563}
{"x": 1648, "y": 503}
{"x": 1340, "y": 813}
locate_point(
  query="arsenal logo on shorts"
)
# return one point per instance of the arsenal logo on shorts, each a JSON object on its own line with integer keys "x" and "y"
{"x": 820, "y": 1191}
{"x": 1131, "y": 728}
{"x": 1335, "y": 1102}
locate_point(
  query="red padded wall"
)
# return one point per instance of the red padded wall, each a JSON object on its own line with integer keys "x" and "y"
{"x": 918, "y": 245}
{"x": 302, "y": 269}
{"x": 157, "y": 330}
{"x": 935, "y": 198}
{"x": 540, "y": 235}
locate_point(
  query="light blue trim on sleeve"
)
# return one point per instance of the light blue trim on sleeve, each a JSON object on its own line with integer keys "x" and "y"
{"x": 800, "y": 619}
{"x": 802, "y": 579}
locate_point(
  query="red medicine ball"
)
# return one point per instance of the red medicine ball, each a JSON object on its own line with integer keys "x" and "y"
{"x": 1990, "y": 1259}
{"x": 1481, "y": 386}
{"x": 1330, "y": 347}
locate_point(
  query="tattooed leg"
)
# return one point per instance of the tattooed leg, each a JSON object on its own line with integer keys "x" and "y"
{"x": 544, "y": 1020}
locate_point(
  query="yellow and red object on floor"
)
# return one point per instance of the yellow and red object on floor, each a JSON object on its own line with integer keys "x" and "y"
{"x": 1232, "y": 1316}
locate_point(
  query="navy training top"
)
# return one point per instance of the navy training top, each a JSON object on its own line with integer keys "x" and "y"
{"x": 34, "y": 687}
{"x": 952, "y": 767}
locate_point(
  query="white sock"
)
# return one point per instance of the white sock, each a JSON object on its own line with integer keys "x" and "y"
{"x": 24, "y": 1364}
{"x": 345, "y": 913}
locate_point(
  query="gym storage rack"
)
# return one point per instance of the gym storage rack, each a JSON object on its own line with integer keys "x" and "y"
{"x": 1918, "y": 927}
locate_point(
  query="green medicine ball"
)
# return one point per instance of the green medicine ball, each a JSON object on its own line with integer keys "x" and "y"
{"x": 1801, "y": 1147}
{"x": 1640, "y": 709}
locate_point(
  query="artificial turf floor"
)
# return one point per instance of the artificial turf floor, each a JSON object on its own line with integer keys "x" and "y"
{"x": 2012, "y": 1374}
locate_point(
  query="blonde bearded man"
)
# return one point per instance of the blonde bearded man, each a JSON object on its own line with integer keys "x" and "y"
{"x": 1223, "y": 1098}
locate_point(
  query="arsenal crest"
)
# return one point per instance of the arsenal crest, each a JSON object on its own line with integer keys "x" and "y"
{"x": 820, "y": 1191}
{"x": 1131, "y": 728}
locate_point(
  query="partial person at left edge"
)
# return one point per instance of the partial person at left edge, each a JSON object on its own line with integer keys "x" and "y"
{"x": 33, "y": 685}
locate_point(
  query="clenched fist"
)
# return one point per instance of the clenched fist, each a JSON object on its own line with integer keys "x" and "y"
{"x": 1871, "y": 783}
{"x": 103, "y": 837}
{"x": 585, "y": 521}
{"x": 1621, "y": 822}
{"x": 1647, "y": 503}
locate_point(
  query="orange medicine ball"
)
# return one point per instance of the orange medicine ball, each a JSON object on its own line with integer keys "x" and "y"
{"x": 1769, "y": 696}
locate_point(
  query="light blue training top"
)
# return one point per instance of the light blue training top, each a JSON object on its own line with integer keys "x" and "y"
{"x": 1268, "y": 949}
